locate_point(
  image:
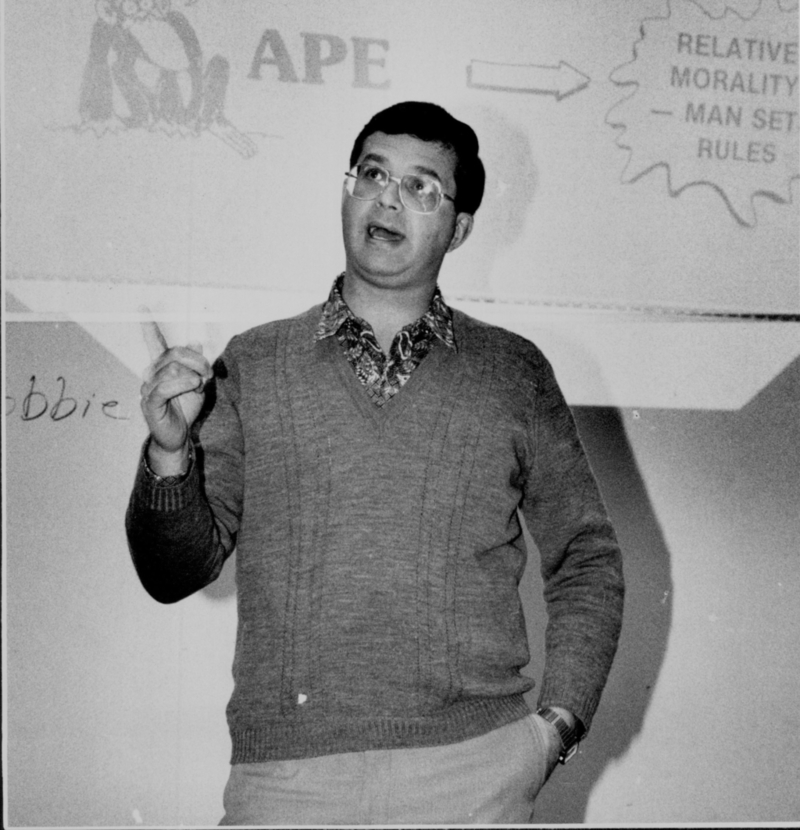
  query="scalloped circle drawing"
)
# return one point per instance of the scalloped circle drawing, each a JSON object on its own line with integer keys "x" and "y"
{"x": 714, "y": 100}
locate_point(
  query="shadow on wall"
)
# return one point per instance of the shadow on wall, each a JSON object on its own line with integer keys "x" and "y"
{"x": 225, "y": 584}
{"x": 648, "y": 615}
{"x": 512, "y": 181}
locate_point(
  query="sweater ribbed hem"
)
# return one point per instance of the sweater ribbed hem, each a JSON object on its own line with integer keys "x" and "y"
{"x": 328, "y": 735}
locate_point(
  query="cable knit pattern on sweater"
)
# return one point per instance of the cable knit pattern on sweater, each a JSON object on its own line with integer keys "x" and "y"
{"x": 379, "y": 550}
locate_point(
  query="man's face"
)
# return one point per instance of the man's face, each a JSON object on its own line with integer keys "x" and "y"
{"x": 385, "y": 243}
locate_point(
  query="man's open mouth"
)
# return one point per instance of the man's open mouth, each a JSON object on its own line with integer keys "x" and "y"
{"x": 383, "y": 233}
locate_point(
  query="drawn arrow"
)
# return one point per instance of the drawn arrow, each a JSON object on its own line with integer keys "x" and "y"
{"x": 561, "y": 80}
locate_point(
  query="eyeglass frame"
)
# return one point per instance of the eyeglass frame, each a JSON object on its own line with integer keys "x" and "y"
{"x": 399, "y": 179}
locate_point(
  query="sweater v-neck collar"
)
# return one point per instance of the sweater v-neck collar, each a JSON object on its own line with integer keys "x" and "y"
{"x": 424, "y": 378}
{"x": 384, "y": 373}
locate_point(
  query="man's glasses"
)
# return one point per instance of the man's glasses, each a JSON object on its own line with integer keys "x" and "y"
{"x": 419, "y": 192}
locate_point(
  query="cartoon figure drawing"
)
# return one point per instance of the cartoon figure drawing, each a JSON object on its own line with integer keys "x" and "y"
{"x": 145, "y": 69}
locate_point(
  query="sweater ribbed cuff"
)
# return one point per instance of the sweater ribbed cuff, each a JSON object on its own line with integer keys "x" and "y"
{"x": 582, "y": 703}
{"x": 154, "y": 492}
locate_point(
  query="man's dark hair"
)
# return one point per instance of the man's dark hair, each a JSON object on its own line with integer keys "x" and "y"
{"x": 430, "y": 122}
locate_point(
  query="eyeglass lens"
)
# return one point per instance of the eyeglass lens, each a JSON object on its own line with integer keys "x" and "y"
{"x": 419, "y": 193}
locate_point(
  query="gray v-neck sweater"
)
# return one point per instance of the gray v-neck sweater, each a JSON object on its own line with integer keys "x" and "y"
{"x": 379, "y": 550}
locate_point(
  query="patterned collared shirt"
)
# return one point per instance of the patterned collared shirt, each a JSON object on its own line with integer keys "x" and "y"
{"x": 383, "y": 376}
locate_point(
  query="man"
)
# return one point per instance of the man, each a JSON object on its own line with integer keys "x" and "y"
{"x": 368, "y": 459}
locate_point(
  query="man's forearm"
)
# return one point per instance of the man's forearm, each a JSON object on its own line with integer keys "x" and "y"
{"x": 172, "y": 535}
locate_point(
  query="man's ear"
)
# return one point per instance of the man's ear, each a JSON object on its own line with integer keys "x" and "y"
{"x": 462, "y": 230}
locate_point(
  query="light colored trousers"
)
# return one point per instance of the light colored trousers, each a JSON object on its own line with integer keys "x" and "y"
{"x": 492, "y": 779}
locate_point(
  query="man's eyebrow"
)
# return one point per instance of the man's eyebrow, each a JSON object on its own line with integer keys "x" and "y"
{"x": 375, "y": 157}
{"x": 429, "y": 170}
{"x": 418, "y": 168}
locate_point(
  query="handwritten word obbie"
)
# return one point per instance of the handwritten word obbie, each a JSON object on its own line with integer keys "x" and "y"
{"x": 36, "y": 404}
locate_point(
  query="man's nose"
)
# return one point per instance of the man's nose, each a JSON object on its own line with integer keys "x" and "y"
{"x": 390, "y": 195}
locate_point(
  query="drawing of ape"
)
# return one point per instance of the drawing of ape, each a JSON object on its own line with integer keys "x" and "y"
{"x": 152, "y": 56}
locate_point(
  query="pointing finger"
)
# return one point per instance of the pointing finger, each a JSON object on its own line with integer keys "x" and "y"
{"x": 154, "y": 338}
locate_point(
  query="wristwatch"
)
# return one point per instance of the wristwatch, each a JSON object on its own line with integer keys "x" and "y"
{"x": 570, "y": 735}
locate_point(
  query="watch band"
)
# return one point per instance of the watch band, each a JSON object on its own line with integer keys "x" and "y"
{"x": 570, "y": 735}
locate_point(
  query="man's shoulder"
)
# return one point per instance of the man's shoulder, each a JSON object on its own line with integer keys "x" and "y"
{"x": 298, "y": 330}
{"x": 499, "y": 342}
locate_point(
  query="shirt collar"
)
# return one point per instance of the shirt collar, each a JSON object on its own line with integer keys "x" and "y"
{"x": 335, "y": 312}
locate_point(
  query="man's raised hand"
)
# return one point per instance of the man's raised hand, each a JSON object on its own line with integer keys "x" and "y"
{"x": 172, "y": 397}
